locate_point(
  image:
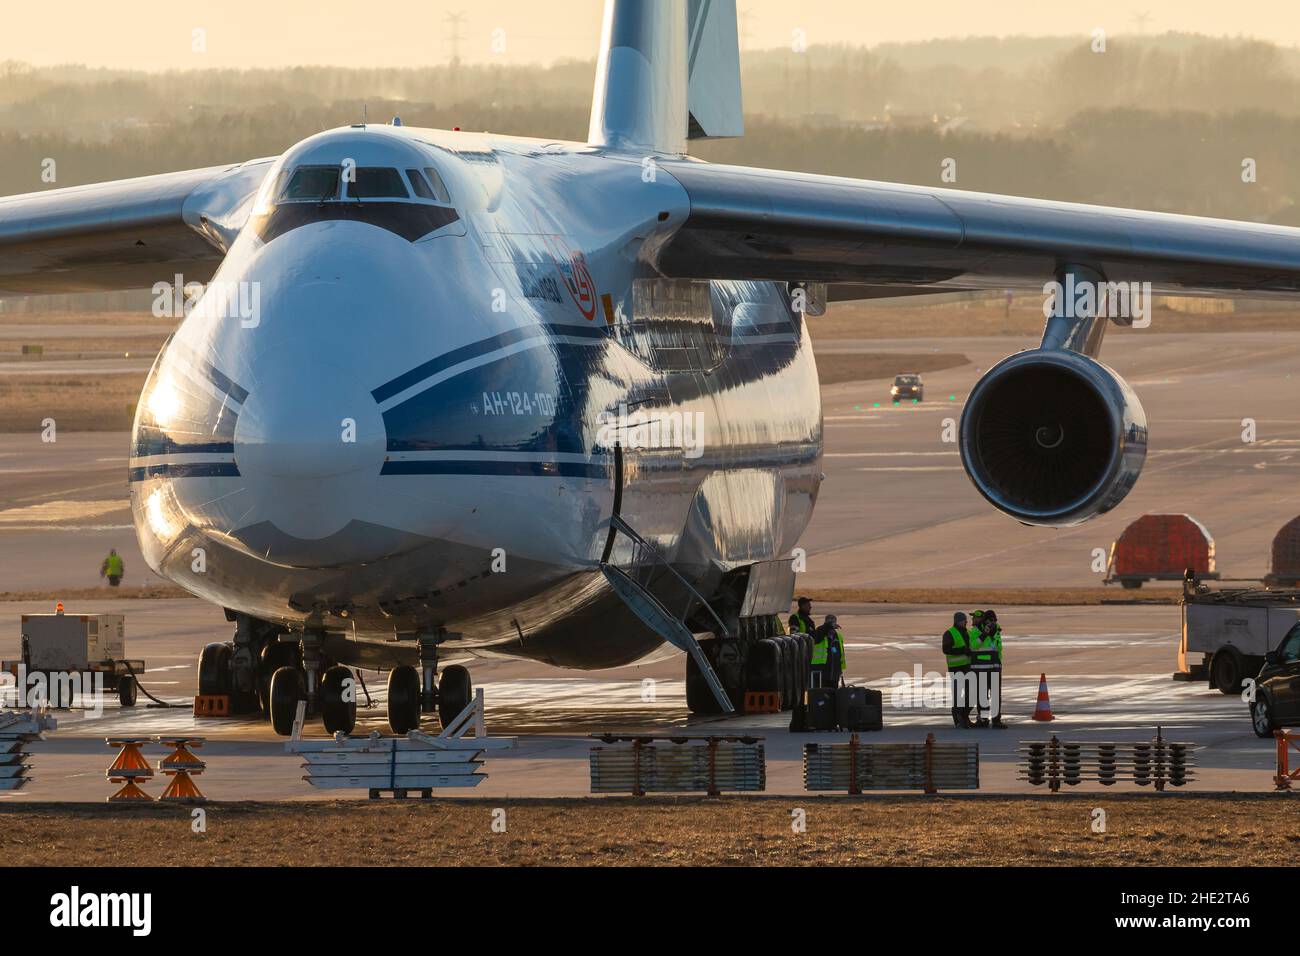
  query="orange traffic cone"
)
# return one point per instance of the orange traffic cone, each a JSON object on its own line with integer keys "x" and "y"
{"x": 1043, "y": 709}
{"x": 129, "y": 766}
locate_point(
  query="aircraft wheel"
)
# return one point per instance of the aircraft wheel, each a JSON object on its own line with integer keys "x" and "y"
{"x": 761, "y": 670}
{"x": 404, "y": 699}
{"x": 287, "y": 688}
{"x": 787, "y": 658}
{"x": 274, "y": 655}
{"x": 455, "y": 691}
{"x": 338, "y": 711}
{"x": 214, "y": 669}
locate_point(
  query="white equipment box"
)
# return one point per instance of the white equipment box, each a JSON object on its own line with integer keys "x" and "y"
{"x": 1231, "y": 630}
{"x": 73, "y": 642}
{"x": 1252, "y": 630}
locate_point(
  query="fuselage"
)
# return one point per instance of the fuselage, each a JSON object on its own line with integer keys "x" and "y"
{"x": 413, "y": 396}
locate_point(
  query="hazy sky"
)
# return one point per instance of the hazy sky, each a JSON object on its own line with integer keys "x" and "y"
{"x": 157, "y": 34}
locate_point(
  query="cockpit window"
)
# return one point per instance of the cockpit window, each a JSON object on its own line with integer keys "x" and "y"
{"x": 311, "y": 184}
{"x": 439, "y": 190}
{"x": 419, "y": 184}
{"x": 377, "y": 182}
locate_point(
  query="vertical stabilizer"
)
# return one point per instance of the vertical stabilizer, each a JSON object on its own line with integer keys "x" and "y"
{"x": 669, "y": 72}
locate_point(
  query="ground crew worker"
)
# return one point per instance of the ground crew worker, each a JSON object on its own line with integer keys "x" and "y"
{"x": 828, "y": 653}
{"x": 801, "y": 621}
{"x": 112, "y": 568}
{"x": 956, "y": 649}
{"x": 986, "y": 662}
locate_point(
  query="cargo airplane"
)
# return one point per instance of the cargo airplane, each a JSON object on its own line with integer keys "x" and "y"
{"x": 450, "y": 391}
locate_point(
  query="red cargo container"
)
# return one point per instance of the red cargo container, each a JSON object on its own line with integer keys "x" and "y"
{"x": 1161, "y": 548}
{"x": 1284, "y": 568}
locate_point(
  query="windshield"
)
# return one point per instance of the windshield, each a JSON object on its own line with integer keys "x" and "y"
{"x": 907, "y": 380}
{"x": 311, "y": 184}
{"x": 377, "y": 182}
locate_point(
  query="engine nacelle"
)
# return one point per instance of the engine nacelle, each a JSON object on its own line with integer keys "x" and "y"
{"x": 1052, "y": 437}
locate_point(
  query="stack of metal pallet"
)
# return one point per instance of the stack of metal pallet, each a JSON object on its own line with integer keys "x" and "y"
{"x": 17, "y": 729}
{"x": 418, "y": 762}
{"x": 1154, "y": 763}
{"x": 853, "y": 767}
{"x": 646, "y": 764}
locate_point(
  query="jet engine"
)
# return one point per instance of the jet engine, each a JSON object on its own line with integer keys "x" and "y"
{"x": 1052, "y": 437}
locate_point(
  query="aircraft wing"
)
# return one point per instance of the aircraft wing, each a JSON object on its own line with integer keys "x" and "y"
{"x": 126, "y": 234}
{"x": 868, "y": 238}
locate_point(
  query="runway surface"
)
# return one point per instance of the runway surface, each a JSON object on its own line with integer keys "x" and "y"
{"x": 1108, "y": 670}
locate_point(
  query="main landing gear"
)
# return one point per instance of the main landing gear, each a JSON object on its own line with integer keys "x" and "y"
{"x": 413, "y": 691}
{"x": 293, "y": 672}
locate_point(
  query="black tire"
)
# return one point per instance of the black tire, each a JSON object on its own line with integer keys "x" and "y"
{"x": 403, "y": 699}
{"x": 287, "y": 688}
{"x": 214, "y": 669}
{"x": 274, "y": 655}
{"x": 1261, "y": 716}
{"x": 699, "y": 698}
{"x": 338, "y": 713}
{"x": 1128, "y": 584}
{"x": 806, "y": 643}
{"x": 126, "y": 688}
{"x": 1226, "y": 672}
{"x": 761, "y": 670}
{"x": 794, "y": 650}
{"x": 783, "y": 658}
{"x": 455, "y": 691}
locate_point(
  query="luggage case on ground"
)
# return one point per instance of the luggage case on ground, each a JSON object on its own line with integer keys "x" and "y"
{"x": 820, "y": 711}
{"x": 859, "y": 708}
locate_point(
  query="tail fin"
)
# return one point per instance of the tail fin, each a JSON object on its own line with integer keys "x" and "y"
{"x": 669, "y": 72}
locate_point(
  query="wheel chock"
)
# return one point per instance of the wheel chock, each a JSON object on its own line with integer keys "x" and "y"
{"x": 181, "y": 765}
{"x": 129, "y": 766}
{"x": 212, "y": 705}
{"x": 762, "y": 702}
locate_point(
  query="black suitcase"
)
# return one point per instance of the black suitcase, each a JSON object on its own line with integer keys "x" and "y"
{"x": 859, "y": 708}
{"x": 820, "y": 711}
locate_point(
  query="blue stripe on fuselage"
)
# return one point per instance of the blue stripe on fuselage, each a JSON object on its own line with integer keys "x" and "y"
{"x": 476, "y": 349}
{"x": 517, "y": 469}
{"x": 201, "y": 469}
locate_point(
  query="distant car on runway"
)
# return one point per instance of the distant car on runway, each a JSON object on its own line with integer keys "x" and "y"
{"x": 1277, "y": 688}
{"x": 907, "y": 387}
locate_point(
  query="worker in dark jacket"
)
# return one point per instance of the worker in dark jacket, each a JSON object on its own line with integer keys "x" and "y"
{"x": 957, "y": 642}
{"x": 987, "y": 663}
{"x": 828, "y": 652}
{"x": 801, "y": 621}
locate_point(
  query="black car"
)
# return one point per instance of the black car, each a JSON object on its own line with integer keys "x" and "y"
{"x": 907, "y": 388}
{"x": 1277, "y": 688}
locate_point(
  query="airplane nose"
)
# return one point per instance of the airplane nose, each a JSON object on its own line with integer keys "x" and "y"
{"x": 307, "y": 422}
{"x": 309, "y": 442}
